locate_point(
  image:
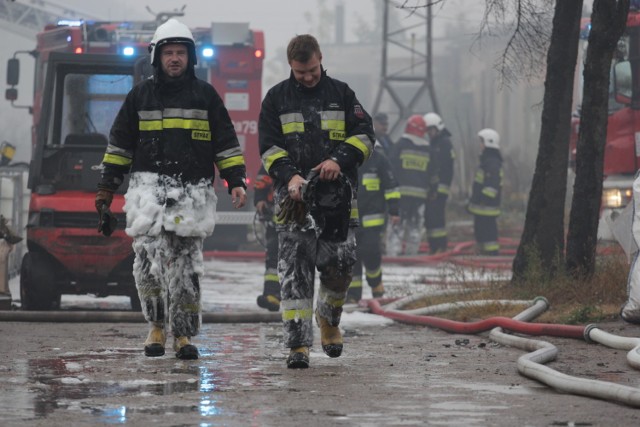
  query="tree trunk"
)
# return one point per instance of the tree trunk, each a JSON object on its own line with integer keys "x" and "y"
{"x": 543, "y": 234}
{"x": 608, "y": 21}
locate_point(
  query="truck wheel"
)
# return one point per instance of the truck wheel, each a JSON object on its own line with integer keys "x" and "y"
{"x": 135, "y": 302}
{"x": 37, "y": 284}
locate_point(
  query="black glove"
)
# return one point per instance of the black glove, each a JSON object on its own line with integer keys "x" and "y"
{"x": 292, "y": 211}
{"x": 103, "y": 197}
{"x": 108, "y": 221}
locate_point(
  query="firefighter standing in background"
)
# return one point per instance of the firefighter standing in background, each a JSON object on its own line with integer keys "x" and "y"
{"x": 263, "y": 201}
{"x": 312, "y": 122}
{"x": 378, "y": 194}
{"x": 169, "y": 133}
{"x": 410, "y": 160}
{"x": 381, "y": 127}
{"x": 441, "y": 175}
{"x": 486, "y": 193}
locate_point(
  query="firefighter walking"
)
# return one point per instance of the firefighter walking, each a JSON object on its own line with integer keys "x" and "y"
{"x": 486, "y": 194}
{"x": 168, "y": 134}
{"x": 378, "y": 196}
{"x": 441, "y": 175}
{"x": 410, "y": 160}
{"x": 313, "y": 133}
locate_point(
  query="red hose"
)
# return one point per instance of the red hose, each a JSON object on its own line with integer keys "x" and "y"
{"x": 566, "y": 331}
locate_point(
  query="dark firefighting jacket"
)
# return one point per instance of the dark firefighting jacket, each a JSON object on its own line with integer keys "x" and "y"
{"x": 169, "y": 134}
{"x": 177, "y": 129}
{"x": 377, "y": 188}
{"x": 300, "y": 127}
{"x": 487, "y": 185}
{"x": 410, "y": 159}
{"x": 442, "y": 156}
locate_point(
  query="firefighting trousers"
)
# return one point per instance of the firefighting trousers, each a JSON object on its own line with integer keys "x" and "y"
{"x": 271, "y": 284}
{"x": 406, "y": 237}
{"x": 436, "y": 225}
{"x": 485, "y": 230}
{"x": 300, "y": 253}
{"x": 369, "y": 254}
{"x": 167, "y": 270}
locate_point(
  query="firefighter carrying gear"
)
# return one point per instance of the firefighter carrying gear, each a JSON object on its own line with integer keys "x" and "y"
{"x": 184, "y": 349}
{"x": 329, "y": 205}
{"x": 298, "y": 358}
{"x": 154, "y": 345}
{"x": 330, "y": 337}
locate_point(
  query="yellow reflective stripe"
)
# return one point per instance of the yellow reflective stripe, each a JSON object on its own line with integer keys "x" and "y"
{"x": 373, "y": 220}
{"x": 271, "y": 155}
{"x": 406, "y": 190}
{"x": 491, "y": 246}
{"x": 371, "y": 184}
{"x": 333, "y": 125}
{"x": 393, "y": 194}
{"x": 484, "y": 210}
{"x": 490, "y": 192}
{"x": 362, "y": 143}
{"x": 175, "y": 123}
{"x": 297, "y": 314}
{"x": 293, "y": 127}
{"x": 437, "y": 232}
{"x": 115, "y": 159}
{"x": 354, "y": 213}
{"x": 270, "y": 277}
{"x": 355, "y": 283}
{"x": 230, "y": 162}
{"x": 374, "y": 274}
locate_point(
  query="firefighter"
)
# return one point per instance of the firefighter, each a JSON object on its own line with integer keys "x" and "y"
{"x": 410, "y": 159}
{"x": 441, "y": 175}
{"x": 630, "y": 311}
{"x": 170, "y": 131}
{"x": 378, "y": 195}
{"x": 263, "y": 201}
{"x": 381, "y": 127}
{"x": 486, "y": 193}
{"x": 313, "y": 134}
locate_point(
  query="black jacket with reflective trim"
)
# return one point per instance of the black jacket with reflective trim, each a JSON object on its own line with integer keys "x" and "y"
{"x": 376, "y": 180}
{"x": 442, "y": 156}
{"x": 183, "y": 149}
{"x": 487, "y": 184}
{"x": 299, "y": 151}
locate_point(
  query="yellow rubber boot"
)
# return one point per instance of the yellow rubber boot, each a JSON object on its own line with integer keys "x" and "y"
{"x": 184, "y": 349}
{"x": 154, "y": 345}
{"x": 330, "y": 337}
{"x": 298, "y": 358}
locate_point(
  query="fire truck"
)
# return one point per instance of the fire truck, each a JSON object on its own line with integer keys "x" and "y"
{"x": 622, "y": 149}
{"x": 83, "y": 71}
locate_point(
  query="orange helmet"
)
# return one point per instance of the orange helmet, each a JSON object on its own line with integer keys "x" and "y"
{"x": 416, "y": 126}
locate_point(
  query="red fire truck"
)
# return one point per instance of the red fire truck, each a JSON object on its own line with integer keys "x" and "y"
{"x": 622, "y": 149}
{"x": 83, "y": 71}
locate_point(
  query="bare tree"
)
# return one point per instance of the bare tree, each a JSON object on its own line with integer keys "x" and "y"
{"x": 543, "y": 234}
{"x": 608, "y": 21}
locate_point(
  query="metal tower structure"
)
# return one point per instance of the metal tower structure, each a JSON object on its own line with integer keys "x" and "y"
{"x": 414, "y": 73}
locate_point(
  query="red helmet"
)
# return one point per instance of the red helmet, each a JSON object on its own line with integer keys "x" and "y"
{"x": 416, "y": 126}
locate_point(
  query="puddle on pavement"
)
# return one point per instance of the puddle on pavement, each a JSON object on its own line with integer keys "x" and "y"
{"x": 88, "y": 381}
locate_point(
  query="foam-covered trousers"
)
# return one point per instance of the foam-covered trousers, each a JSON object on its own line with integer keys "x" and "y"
{"x": 300, "y": 253}
{"x": 167, "y": 270}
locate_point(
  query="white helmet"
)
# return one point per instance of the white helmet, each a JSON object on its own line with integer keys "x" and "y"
{"x": 490, "y": 138}
{"x": 432, "y": 119}
{"x": 172, "y": 31}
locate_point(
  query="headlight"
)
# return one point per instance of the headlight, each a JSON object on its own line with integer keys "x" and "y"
{"x": 616, "y": 197}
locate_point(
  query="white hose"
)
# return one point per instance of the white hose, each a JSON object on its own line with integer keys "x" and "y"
{"x": 531, "y": 365}
{"x": 442, "y": 308}
{"x": 593, "y": 333}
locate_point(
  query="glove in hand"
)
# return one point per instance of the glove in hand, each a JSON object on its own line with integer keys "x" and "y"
{"x": 292, "y": 211}
{"x": 103, "y": 197}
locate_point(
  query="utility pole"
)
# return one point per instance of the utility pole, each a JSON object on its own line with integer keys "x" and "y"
{"x": 415, "y": 73}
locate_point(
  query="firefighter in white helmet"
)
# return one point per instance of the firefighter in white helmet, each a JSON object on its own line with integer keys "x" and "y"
{"x": 410, "y": 159}
{"x": 486, "y": 194}
{"x": 169, "y": 133}
{"x": 441, "y": 175}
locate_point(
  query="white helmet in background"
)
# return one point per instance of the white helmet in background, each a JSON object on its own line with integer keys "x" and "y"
{"x": 172, "y": 31}
{"x": 434, "y": 120}
{"x": 490, "y": 138}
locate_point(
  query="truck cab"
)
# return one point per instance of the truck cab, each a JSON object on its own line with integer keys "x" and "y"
{"x": 81, "y": 96}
